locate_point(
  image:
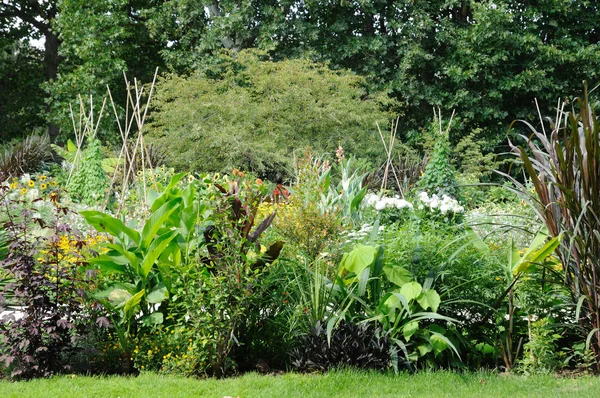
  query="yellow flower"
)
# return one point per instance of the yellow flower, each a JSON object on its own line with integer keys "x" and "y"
{"x": 23, "y": 191}
{"x": 43, "y": 178}
{"x": 43, "y": 186}
{"x": 31, "y": 183}
{"x": 53, "y": 183}
{"x": 14, "y": 185}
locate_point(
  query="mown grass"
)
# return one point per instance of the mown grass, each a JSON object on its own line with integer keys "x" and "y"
{"x": 334, "y": 384}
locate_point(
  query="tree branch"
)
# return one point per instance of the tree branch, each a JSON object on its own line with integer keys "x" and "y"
{"x": 12, "y": 11}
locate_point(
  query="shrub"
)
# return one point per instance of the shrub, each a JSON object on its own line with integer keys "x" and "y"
{"x": 439, "y": 173}
{"x": 363, "y": 346}
{"x": 89, "y": 181}
{"x": 564, "y": 166}
{"x": 46, "y": 279}
{"x": 27, "y": 156}
{"x": 251, "y": 113}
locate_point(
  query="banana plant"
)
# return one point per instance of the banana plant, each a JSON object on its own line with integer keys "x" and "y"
{"x": 142, "y": 260}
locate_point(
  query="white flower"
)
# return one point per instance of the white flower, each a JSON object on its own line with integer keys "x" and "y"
{"x": 380, "y": 205}
{"x": 371, "y": 199}
{"x": 401, "y": 204}
{"x": 444, "y": 207}
{"x": 434, "y": 203}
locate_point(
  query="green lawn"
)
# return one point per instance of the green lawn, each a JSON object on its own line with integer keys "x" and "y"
{"x": 334, "y": 384}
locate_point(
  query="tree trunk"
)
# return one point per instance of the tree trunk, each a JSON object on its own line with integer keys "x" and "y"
{"x": 51, "y": 61}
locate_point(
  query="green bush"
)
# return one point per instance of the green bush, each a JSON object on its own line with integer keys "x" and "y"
{"x": 252, "y": 114}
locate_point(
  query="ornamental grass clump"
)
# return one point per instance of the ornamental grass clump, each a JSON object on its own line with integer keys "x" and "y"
{"x": 564, "y": 167}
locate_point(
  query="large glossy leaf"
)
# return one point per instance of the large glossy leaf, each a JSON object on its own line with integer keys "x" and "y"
{"x": 537, "y": 256}
{"x": 131, "y": 304}
{"x": 429, "y": 298}
{"x": 439, "y": 342}
{"x": 156, "y": 318}
{"x": 411, "y": 290}
{"x": 110, "y": 264}
{"x": 358, "y": 259}
{"x": 158, "y": 294}
{"x": 105, "y": 223}
{"x": 155, "y": 250}
{"x": 409, "y": 329}
{"x": 131, "y": 257}
{"x": 157, "y": 220}
{"x": 166, "y": 196}
{"x": 397, "y": 275}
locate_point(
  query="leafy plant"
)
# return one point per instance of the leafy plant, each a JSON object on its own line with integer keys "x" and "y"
{"x": 141, "y": 261}
{"x": 89, "y": 181}
{"x": 26, "y": 156}
{"x": 439, "y": 173}
{"x": 515, "y": 269}
{"x": 43, "y": 299}
{"x": 540, "y": 352}
{"x": 363, "y": 346}
{"x": 564, "y": 167}
{"x": 387, "y": 293}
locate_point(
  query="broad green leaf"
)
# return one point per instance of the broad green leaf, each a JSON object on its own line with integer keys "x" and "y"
{"x": 429, "y": 299}
{"x": 158, "y": 294}
{"x": 424, "y": 349}
{"x": 392, "y": 301}
{"x": 157, "y": 220}
{"x": 71, "y": 147}
{"x": 155, "y": 250}
{"x": 356, "y": 201}
{"x": 476, "y": 240}
{"x": 118, "y": 297}
{"x": 358, "y": 259}
{"x": 411, "y": 290}
{"x": 397, "y": 275}
{"x": 156, "y": 318}
{"x": 439, "y": 342}
{"x": 105, "y": 223}
{"x": 131, "y": 257}
{"x": 409, "y": 329}
{"x": 537, "y": 256}
{"x": 131, "y": 304}
{"x": 537, "y": 242}
{"x": 166, "y": 196}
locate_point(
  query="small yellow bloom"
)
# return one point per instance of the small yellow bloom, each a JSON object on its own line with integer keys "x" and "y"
{"x": 43, "y": 186}
{"x": 43, "y": 178}
{"x": 31, "y": 183}
{"x": 23, "y": 191}
{"x": 53, "y": 183}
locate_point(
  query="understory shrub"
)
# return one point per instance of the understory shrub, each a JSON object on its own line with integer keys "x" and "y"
{"x": 44, "y": 297}
{"x": 363, "y": 346}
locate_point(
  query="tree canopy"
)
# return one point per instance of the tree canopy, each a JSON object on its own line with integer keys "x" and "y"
{"x": 488, "y": 60}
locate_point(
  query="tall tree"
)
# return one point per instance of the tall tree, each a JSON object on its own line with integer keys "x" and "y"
{"x": 25, "y": 20}
{"x": 101, "y": 39}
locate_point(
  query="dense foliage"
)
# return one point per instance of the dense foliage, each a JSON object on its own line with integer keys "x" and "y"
{"x": 252, "y": 113}
{"x": 279, "y": 198}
